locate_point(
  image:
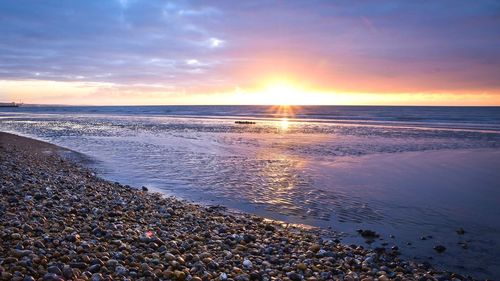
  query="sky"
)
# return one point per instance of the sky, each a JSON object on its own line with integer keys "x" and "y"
{"x": 121, "y": 52}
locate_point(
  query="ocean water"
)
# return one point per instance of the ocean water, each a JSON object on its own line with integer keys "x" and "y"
{"x": 417, "y": 173}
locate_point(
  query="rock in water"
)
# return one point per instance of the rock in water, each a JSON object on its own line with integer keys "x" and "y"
{"x": 366, "y": 233}
{"x": 440, "y": 248}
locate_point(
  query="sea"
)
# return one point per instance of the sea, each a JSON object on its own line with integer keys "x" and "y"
{"x": 415, "y": 175}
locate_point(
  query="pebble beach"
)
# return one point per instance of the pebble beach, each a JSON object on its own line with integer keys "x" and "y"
{"x": 59, "y": 221}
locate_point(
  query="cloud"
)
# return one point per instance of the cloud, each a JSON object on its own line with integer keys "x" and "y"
{"x": 210, "y": 45}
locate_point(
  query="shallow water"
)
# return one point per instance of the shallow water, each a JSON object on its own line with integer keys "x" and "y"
{"x": 410, "y": 172}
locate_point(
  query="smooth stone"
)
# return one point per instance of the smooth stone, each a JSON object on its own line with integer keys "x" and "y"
{"x": 67, "y": 272}
{"x": 73, "y": 237}
{"x": 180, "y": 275}
{"x": 301, "y": 266}
{"x": 255, "y": 276}
{"x": 383, "y": 278}
{"x": 247, "y": 263}
{"x": 79, "y": 265}
{"x": 169, "y": 257}
{"x": 294, "y": 276}
{"x": 97, "y": 277}
{"x": 121, "y": 270}
{"x": 21, "y": 253}
{"x": 315, "y": 248}
{"x": 5, "y": 275}
{"x": 52, "y": 277}
{"x": 54, "y": 269}
{"x": 242, "y": 277}
{"x": 269, "y": 227}
{"x": 111, "y": 263}
{"x": 94, "y": 268}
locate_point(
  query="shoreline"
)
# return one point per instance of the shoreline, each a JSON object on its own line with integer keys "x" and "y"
{"x": 60, "y": 221}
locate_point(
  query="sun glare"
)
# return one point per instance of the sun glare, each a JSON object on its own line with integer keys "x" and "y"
{"x": 284, "y": 97}
{"x": 284, "y": 124}
{"x": 282, "y": 94}
{"x": 285, "y": 92}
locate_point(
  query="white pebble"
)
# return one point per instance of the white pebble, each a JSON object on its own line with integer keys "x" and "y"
{"x": 247, "y": 263}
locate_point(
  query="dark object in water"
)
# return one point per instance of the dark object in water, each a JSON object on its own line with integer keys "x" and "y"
{"x": 460, "y": 231}
{"x": 368, "y": 233}
{"x": 440, "y": 248}
{"x": 463, "y": 245}
{"x": 144, "y": 188}
{"x": 245, "y": 122}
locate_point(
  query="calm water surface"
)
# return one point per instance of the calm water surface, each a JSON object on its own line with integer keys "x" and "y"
{"x": 407, "y": 171}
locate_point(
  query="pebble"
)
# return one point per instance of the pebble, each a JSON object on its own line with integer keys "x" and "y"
{"x": 169, "y": 257}
{"x": 294, "y": 276}
{"x": 301, "y": 266}
{"x": 180, "y": 275}
{"x": 121, "y": 271}
{"x": 67, "y": 272}
{"x": 52, "y": 277}
{"x": 94, "y": 268}
{"x": 247, "y": 264}
{"x": 21, "y": 253}
{"x": 54, "y": 269}
{"x": 315, "y": 248}
{"x": 73, "y": 237}
{"x": 97, "y": 277}
{"x": 242, "y": 277}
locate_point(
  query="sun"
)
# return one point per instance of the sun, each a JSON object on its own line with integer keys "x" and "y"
{"x": 284, "y": 98}
{"x": 284, "y": 93}
{"x": 281, "y": 94}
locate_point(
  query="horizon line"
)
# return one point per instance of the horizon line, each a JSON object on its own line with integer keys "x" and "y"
{"x": 263, "y": 105}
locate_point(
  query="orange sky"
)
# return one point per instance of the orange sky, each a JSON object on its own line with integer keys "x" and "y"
{"x": 81, "y": 93}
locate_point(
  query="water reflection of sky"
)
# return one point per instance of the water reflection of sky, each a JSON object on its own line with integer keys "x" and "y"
{"x": 396, "y": 180}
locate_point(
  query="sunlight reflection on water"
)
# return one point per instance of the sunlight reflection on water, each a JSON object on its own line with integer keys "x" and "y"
{"x": 284, "y": 124}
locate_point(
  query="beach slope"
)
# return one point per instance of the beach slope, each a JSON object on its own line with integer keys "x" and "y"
{"x": 59, "y": 221}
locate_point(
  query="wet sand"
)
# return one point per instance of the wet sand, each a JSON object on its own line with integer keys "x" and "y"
{"x": 59, "y": 221}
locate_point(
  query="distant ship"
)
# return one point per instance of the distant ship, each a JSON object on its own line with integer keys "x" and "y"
{"x": 10, "y": 104}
